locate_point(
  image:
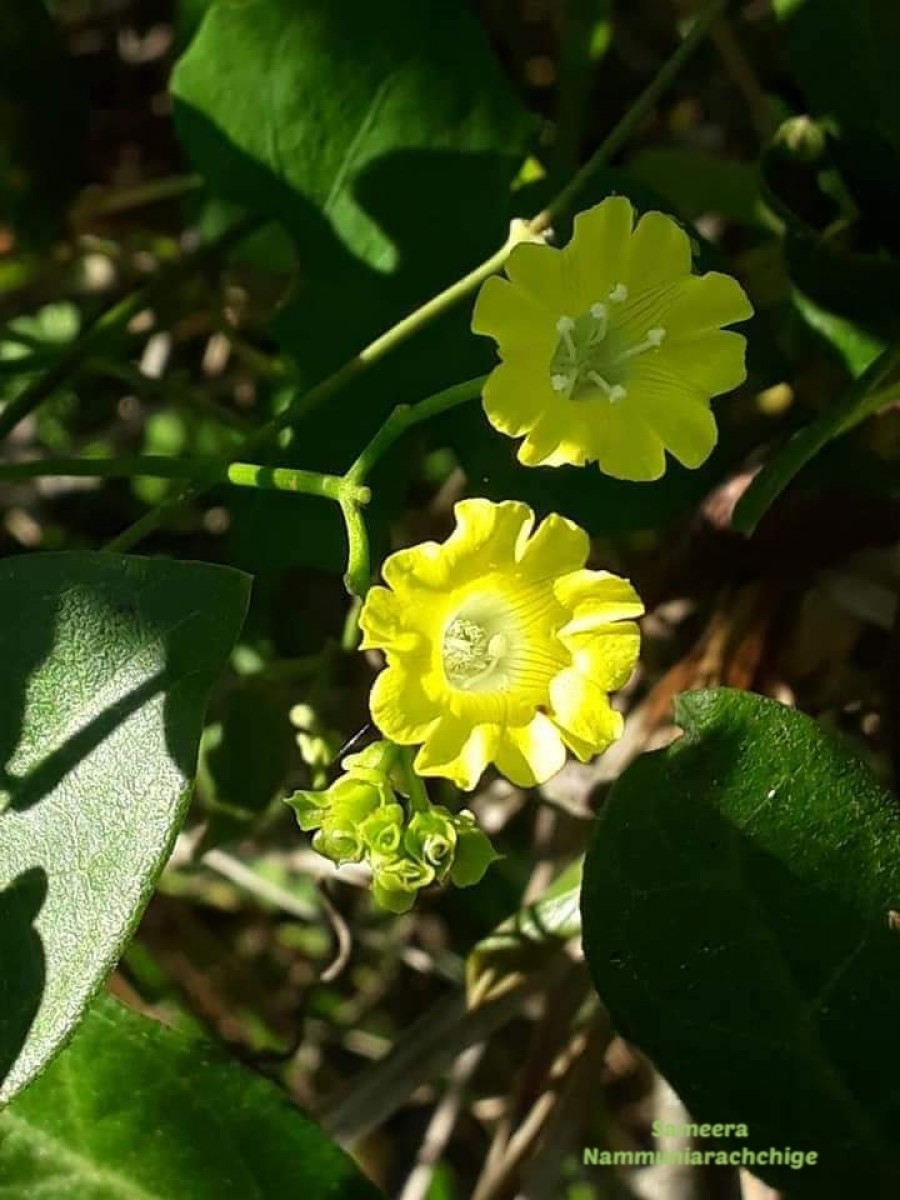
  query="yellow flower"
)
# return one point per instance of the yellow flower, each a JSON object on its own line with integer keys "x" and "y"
{"x": 501, "y": 647}
{"x": 611, "y": 349}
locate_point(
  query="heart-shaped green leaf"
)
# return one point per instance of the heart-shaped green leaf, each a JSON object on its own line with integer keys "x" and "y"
{"x": 739, "y": 921}
{"x": 106, "y": 664}
{"x": 132, "y": 1110}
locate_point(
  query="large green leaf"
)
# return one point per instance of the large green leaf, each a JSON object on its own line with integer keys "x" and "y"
{"x": 134, "y": 1111}
{"x": 738, "y": 911}
{"x": 384, "y": 137}
{"x": 365, "y": 120}
{"x": 106, "y": 666}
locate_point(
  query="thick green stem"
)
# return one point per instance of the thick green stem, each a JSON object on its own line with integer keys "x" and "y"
{"x": 358, "y": 577}
{"x": 204, "y": 470}
{"x": 287, "y": 479}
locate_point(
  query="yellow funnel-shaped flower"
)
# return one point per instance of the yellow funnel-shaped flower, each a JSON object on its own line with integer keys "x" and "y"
{"x": 611, "y": 349}
{"x": 501, "y": 646}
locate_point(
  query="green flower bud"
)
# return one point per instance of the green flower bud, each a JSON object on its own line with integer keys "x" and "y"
{"x": 396, "y": 882}
{"x": 339, "y": 840}
{"x": 431, "y": 839}
{"x": 339, "y": 812}
{"x": 382, "y": 830}
{"x": 474, "y": 852}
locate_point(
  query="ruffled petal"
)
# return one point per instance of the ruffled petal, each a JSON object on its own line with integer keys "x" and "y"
{"x": 660, "y": 253}
{"x": 531, "y": 754}
{"x": 583, "y": 708}
{"x": 596, "y": 598}
{"x": 540, "y": 271}
{"x": 515, "y": 396}
{"x": 676, "y": 412}
{"x": 559, "y": 437}
{"x": 596, "y": 256}
{"x": 386, "y": 625}
{"x": 522, "y": 328}
{"x": 488, "y": 533}
{"x": 713, "y": 363}
{"x": 557, "y": 546}
{"x": 455, "y": 750}
{"x": 648, "y": 308}
{"x": 626, "y": 447}
{"x": 400, "y": 707}
{"x": 605, "y": 657}
{"x": 415, "y": 571}
{"x": 706, "y": 302}
{"x": 583, "y": 751}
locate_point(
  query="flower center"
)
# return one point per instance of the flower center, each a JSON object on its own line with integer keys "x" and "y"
{"x": 592, "y": 356}
{"x": 471, "y": 653}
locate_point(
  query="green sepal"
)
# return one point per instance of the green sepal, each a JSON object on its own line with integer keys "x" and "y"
{"x": 474, "y": 852}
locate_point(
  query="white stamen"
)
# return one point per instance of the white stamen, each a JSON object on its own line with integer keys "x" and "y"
{"x": 619, "y": 294}
{"x": 617, "y": 393}
{"x": 608, "y": 389}
{"x": 559, "y": 383}
{"x": 598, "y": 312}
{"x": 653, "y": 341}
{"x": 564, "y": 327}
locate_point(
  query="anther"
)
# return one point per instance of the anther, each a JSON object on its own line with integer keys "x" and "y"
{"x": 619, "y": 294}
{"x": 612, "y": 391}
{"x": 652, "y": 341}
{"x": 599, "y": 313}
{"x": 565, "y": 327}
{"x": 559, "y": 383}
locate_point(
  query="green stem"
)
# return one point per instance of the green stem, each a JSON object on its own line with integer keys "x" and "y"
{"x": 634, "y": 117}
{"x": 288, "y": 479}
{"x": 358, "y": 578}
{"x": 418, "y": 794}
{"x": 388, "y": 341}
{"x": 405, "y": 416}
{"x": 458, "y": 291}
{"x": 116, "y": 317}
{"x": 207, "y": 471}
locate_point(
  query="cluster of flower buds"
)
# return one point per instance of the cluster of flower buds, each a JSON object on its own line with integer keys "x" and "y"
{"x": 368, "y": 816}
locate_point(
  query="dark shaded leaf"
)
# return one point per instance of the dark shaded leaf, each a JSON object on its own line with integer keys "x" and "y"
{"x": 739, "y": 921}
